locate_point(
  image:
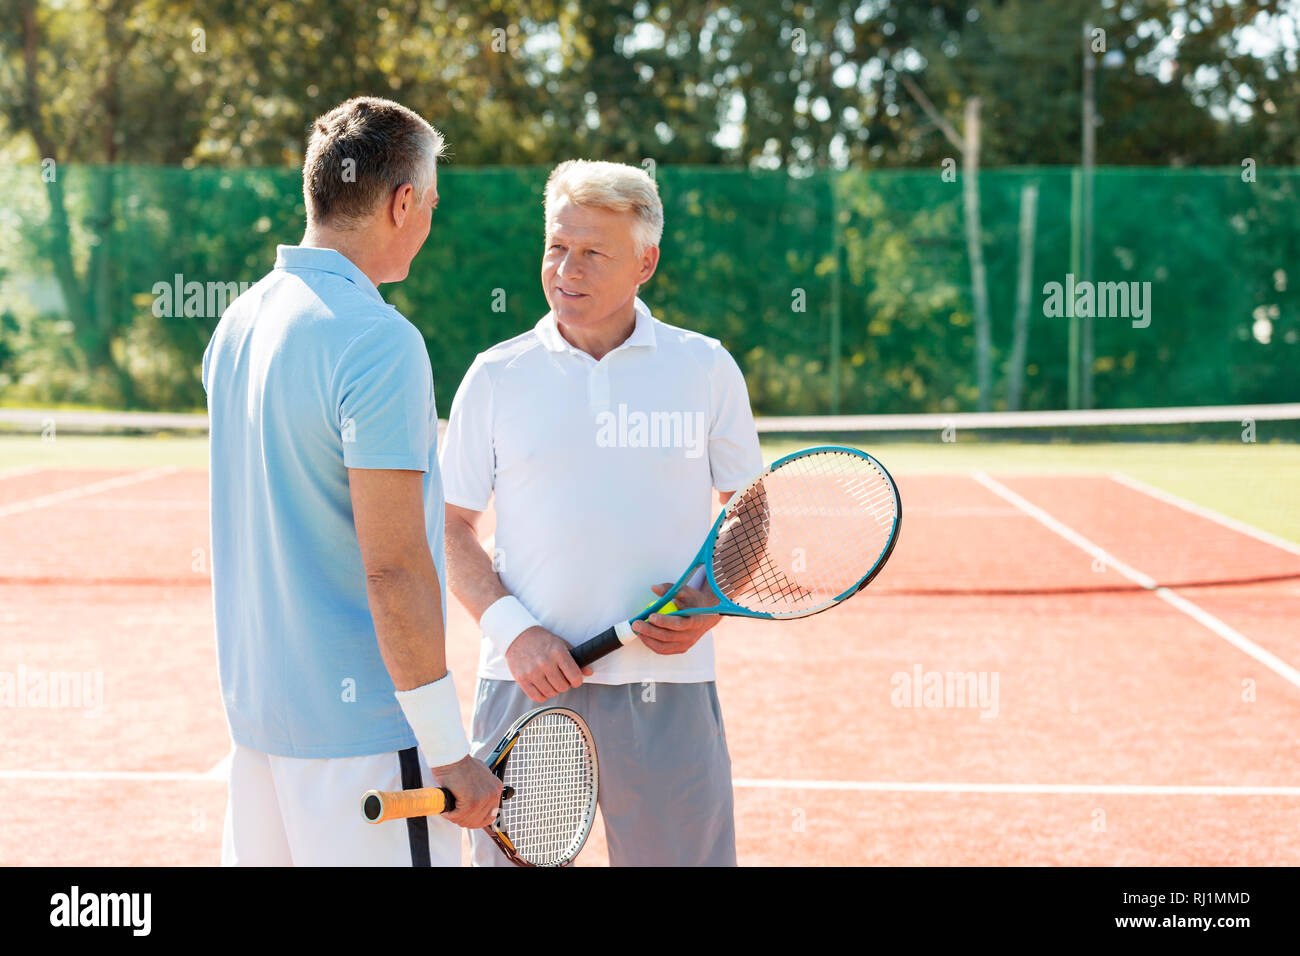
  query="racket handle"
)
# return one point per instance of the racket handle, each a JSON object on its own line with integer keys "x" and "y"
{"x": 602, "y": 644}
{"x": 380, "y": 805}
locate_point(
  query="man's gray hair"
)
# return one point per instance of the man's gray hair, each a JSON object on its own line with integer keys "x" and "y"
{"x": 613, "y": 186}
{"x": 359, "y": 153}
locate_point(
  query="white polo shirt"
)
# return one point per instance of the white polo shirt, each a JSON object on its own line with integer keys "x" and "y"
{"x": 603, "y": 473}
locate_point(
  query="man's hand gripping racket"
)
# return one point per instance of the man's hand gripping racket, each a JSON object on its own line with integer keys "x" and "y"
{"x": 811, "y": 531}
{"x": 547, "y": 762}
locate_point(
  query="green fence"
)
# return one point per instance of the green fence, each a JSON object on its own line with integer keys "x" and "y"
{"x": 840, "y": 291}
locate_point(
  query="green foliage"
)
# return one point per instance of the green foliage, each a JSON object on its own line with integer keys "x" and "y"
{"x": 197, "y": 120}
{"x": 748, "y": 257}
{"x": 754, "y": 82}
{"x": 1217, "y": 252}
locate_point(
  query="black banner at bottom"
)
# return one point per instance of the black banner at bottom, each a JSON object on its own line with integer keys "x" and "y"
{"x": 386, "y": 906}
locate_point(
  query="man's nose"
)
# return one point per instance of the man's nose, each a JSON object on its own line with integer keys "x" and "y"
{"x": 568, "y": 266}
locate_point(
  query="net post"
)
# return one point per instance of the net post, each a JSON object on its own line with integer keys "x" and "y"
{"x": 1076, "y": 200}
{"x": 837, "y": 244}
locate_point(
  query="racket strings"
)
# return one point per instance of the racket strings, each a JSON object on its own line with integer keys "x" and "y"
{"x": 806, "y": 533}
{"x": 742, "y": 564}
{"x": 552, "y": 770}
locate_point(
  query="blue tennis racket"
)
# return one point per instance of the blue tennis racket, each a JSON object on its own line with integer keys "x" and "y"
{"x": 807, "y": 534}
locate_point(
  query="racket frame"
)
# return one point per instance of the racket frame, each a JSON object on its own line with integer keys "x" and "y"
{"x": 497, "y": 762}
{"x": 379, "y": 806}
{"x": 603, "y": 643}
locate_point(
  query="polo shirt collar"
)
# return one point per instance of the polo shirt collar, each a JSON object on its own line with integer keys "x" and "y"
{"x": 643, "y": 332}
{"x": 295, "y": 258}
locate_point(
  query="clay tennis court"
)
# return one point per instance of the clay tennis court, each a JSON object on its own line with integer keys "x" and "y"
{"x": 1056, "y": 667}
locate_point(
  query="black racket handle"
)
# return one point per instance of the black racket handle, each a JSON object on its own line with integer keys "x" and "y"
{"x": 506, "y": 794}
{"x": 599, "y": 646}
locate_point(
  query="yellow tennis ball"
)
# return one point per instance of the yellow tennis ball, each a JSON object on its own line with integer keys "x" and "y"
{"x": 666, "y": 609}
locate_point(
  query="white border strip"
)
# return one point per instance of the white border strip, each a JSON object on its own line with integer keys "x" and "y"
{"x": 1072, "y": 418}
{"x": 1202, "y": 512}
{"x": 889, "y": 786}
{"x": 81, "y": 491}
{"x": 1201, "y": 616}
{"x": 20, "y": 470}
{"x": 74, "y": 420}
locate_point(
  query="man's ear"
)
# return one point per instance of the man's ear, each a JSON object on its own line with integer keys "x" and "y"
{"x": 402, "y": 201}
{"x": 649, "y": 262}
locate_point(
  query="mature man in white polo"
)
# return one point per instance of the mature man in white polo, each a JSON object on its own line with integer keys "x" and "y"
{"x": 327, "y": 519}
{"x": 591, "y": 515}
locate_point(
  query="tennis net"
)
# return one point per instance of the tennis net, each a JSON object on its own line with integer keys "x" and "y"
{"x": 1190, "y": 497}
{"x": 1049, "y": 504}
{"x": 1220, "y": 423}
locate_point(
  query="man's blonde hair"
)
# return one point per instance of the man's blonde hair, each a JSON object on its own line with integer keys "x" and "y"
{"x": 613, "y": 186}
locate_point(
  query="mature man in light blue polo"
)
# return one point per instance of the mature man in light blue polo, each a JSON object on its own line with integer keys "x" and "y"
{"x": 327, "y": 523}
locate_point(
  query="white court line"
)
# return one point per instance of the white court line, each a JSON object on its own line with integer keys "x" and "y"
{"x": 219, "y": 772}
{"x": 1202, "y": 512}
{"x": 941, "y": 511}
{"x": 140, "y": 776}
{"x": 1201, "y": 616}
{"x": 20, "y": 470}
{"x": 890, "y": 786}
{"x": 221, "y": 769}
{"x": 750, "y": 783}
{"x": 81, "y": 491}
{"x": 173, "y": 505}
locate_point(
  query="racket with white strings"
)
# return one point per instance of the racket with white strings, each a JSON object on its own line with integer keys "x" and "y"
{"x": 547, "y": 761}
{"x": 810, "y": 532}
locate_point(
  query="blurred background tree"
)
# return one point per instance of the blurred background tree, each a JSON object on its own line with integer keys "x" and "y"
{"x": 96, "y": 95}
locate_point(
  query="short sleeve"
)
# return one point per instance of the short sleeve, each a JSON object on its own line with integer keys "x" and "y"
{"x": 468, "y": 461}
{"x": 384, "y": 387}
{"x": 207, "y": 357}
{"x": 734, "y": 455}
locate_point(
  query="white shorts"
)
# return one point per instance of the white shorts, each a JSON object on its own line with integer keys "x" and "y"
{"x": 290, "y": 811}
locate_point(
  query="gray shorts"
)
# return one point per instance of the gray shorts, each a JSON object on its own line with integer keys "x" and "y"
{"x": 665, "y": 774}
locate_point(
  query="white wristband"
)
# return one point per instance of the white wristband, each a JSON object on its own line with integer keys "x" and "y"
{"x": 434, "y": 715}
{"x": 504, "y": 621}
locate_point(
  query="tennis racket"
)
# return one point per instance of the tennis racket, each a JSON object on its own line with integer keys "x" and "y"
{"x": 547, "y": 762}
{"x": 810, "y": 532}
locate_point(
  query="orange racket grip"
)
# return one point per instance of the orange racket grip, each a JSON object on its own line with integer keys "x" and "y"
{"x": 380, "y": 805}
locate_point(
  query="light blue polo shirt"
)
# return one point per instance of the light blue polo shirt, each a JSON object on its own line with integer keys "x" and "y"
{"x": 308, "y": 374}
